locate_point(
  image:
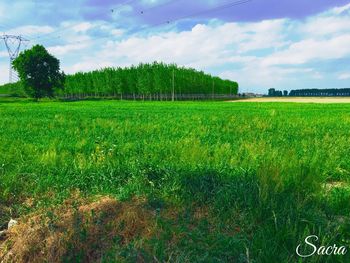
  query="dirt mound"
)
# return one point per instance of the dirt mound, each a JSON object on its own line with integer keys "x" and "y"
{"x": 70, "y": 232}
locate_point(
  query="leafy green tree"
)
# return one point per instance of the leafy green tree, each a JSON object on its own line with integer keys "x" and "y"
{"x": 272, "y": 92}
{"x": 39, "y": 72}
{"x": 151, "y": 81}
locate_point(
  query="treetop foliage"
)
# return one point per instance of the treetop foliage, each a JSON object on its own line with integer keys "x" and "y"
{"x": 39, "y": 72}
{"x": 147, "y": 79}
{"x": 155, "y": 80}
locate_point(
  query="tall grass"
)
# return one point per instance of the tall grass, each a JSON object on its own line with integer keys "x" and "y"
{"x": 262, "y": 176}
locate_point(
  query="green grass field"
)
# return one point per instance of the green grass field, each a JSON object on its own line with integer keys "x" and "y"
{"x": 221, "y": 182}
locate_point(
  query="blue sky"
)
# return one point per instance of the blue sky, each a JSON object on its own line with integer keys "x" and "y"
{"x": 261, "y": 44}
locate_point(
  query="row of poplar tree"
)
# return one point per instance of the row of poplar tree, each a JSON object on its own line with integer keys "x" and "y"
{"x": 154, "y": 81}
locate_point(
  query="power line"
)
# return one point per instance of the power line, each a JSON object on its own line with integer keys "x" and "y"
{"x": 143, "y": 11}
{"x": 127, "y": 2}
{"x": 9, "y": 28}
{"x": 195, "y": 14}
{"x": 209, "y": 10}
{"x": 214, "y": 9}
{"x": 47, "y": 39}
{"x": 45, "y": 36}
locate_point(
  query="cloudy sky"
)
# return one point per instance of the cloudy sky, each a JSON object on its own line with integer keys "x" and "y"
{"x": 283, "y": 44}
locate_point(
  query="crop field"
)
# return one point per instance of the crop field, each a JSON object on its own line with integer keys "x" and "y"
{"x": 329, "y": 100}
{"x": 111, "y": 181}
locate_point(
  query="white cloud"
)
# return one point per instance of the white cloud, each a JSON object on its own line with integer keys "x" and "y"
{"x": 151, "y": 2}
{"x": 256, "y": 77}
{"x": 203, "y": 46}
{"x": 64, "y": 49}
{"x": 317, "y": 75}
{"x": 326, "y": 25}
{"x": 117, "y": 32}
{"x": 88, "y": 65}
{"x": 344, "y": 76}
{"x": 309, "y": 49}
{"x": 82, "y": 27}
{"x": 263, "y": 35}
{"x": 341, "y": 9}
{"x": 3, "y": 54}
{"x": 2, "y": 10}
{"x": 30, "y": 30}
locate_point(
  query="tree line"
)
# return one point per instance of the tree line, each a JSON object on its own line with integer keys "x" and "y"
{"x": 309, "y": 92}
{"x": 320, "y": 92}
{"x": 12, "y": 89}
{"x": 154, "y": 81}
{"x": 277, "y": 93}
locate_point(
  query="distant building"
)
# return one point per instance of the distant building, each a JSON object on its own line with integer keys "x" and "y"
{"x": 252, "y": 95}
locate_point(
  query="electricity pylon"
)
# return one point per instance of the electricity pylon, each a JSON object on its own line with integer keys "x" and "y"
{"x": 13, "y": 45}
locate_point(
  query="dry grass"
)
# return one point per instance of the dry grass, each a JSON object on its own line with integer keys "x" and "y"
{"x": 299, "y": 99}
{"x": 334, "y": 185}
{"x": 89, "y": 229}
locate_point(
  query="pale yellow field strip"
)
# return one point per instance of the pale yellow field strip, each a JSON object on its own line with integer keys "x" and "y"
{"x": 299, "y": 99}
